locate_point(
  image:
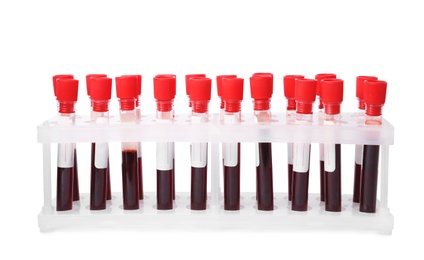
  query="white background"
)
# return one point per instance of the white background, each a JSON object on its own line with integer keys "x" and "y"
{"x": 41, "y": 38}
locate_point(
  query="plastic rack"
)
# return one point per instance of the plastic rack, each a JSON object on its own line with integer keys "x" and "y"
{"x": 279, "y": 130}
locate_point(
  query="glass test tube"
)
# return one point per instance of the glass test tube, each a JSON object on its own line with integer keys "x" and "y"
{"x": 305, "y": 92}
{"x": 66, "y": 90}
{"x": 289, "y": 86}
{"x": 261, "y": 88}
{"x": 126, "y": 92}
{"x": 200, "y": 94}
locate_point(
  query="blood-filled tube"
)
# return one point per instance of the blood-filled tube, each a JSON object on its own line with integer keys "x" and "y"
{"x": 374, "y": 99}
{"x": 289, "y": 83}
{"x": 332, "y": 97}
{"x": 75, "y": 196}
{"x": 320, "y": 77}
{"x": 360, "y": 80}
{"x": 66, "y": 90}
{"x": 164, "y": 93}
{"x": 261, "y": 87}
{"x": 139, "y": 146}
{"x": 200, "y": 94}
{"x": 305, "y": 92}
{"x": 100, "y": 94}
{"x": 232, "y": 94}
{"x": 88, "y": 84}
{"x": 126, "y": 93}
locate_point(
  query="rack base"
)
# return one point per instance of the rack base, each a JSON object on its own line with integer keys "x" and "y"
{"x": 215, "y": 217}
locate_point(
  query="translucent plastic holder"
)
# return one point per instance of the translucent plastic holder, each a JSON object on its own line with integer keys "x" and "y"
{"x": 248, "y": 217}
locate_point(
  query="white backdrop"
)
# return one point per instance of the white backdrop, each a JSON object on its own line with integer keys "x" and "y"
{"x": 41, "y": 38}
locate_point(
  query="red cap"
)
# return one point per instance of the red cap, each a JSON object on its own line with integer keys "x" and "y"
{"x": 126, "y": 87}
{"x": 138, "y": 80}
{"x": 261, "y": 86}
{"x": 374, "y": 96}
{"x": 66, "y": 94}
{"x": 264, "y": 74}
{"x": 305, "y": 94}
{"x": 188, "y": 76}
{"x": 289, "y": 81}
{"x": 322, "y": 76}
{"x": 332, "y": 95}
{"x": 200, "y": 88}
{"x": 101, "y": 88}
{"x": 61, "y": 76}
{"x": 164, "y": 87}
{"x": 360, "y": 80}
{"x": 232, "y": 93}
{"x": 219, "y": 82}
{"x": 88, "y": 83}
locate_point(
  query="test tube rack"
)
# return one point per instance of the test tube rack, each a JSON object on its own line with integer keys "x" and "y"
{"x": 350, "y": 131}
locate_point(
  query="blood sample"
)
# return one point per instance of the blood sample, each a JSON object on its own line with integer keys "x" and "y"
{"x": 360, "y": 80}
{"x": 320, "y": 77}
{"x": 261, "y": 87}
{"x": 374, "y": 99}
{"x": 332, "y": 97}
{"x": 88, "y": 84}
{"x": 100, "y": 94}
{"x": 289, "y": 83}
{"x": 219, "y": 92}
{"x": 164, "y": 93}
{"x": 75, "y": 196}
{"x": 66, "y": 90}
{"x": 139, "y": 147}
{"x": 200, "y": 94}
{"x": 305, "y": 91}
{"x": 126, "y": 92}
{"x": 232, "y": 93}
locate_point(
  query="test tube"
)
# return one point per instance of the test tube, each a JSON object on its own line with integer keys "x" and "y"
{"x": 232, "y": 94}
{"x": 88, "y": 84}
{"x": 320, "y": 77}
{"x": 139, "y": 148}
{"x": 164, "y": 93}
{"x": 66, "y": 90}
{"x": 75, "y": 196}
{"x": 360, "y": 80}
{"x": 261, "y": 87}
{"x": 332, "y": 97}
{"x": 126, "y": 92}
{"x": 200, "y": 94}
{"x": 100, "y": 94}
{"x": 305, "y": 92}
{"x": 374, "y": 99}
{"x": 289, "y": 84}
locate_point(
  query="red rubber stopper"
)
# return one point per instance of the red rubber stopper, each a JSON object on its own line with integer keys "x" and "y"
{"x": 60, "y": 76}
{"x": 172, "y": 82}
{"x": 332, "y": 95}
{"x": 200, "y": 93}
{"x": 360, "y": 89}
{"x": 305, "y": 91}
{"x": 289, "y": 83}
{"x": 322, "y": 76}
{"x": 219, "y": 82}
{"x": 101, "y": 89}
{"x": 261, "y": 87}
{"x": 126, "y": 91}
{"x": 138, "y": 87}
{"x": 187, "y": 82}
{"x": 66, "y": 94}
{"x": 374, "y": 96}
{"x": 232, "y": 93}
{"x": 88, "y": 83}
